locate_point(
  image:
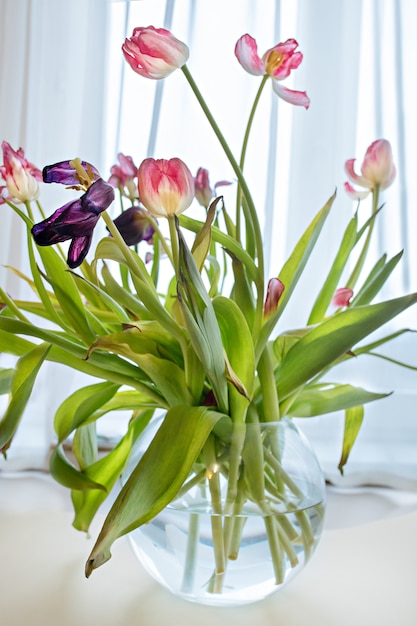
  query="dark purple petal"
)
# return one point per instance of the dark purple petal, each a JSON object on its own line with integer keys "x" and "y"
{"x": 78, "y": 250}
{"x": 133, "y": 224}
{"x": 64, "y": 174}
{"x": 98, "y": 197}
{"x": 69, "y": 221}
{"x": 47, "y": 232}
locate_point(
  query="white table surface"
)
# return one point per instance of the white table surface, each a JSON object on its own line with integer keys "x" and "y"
{"x": 364, "y": 574}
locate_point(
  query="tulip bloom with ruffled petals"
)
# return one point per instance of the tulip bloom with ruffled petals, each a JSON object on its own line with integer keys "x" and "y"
{"x": 77, "y": 219}
{"x": 377, "y": 170}
{"x": 166, "y": 187}
{"x": 20, "y": 176}
{"x": 277, "y": 62}
{"x": 154, "y": 52}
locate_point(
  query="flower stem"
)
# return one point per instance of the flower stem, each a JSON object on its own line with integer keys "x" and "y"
{"x": 190, "y": 564}
{"x": 250, "y": 206}
{"x": 244, "y": 149}
{"x": 361, "y": 260}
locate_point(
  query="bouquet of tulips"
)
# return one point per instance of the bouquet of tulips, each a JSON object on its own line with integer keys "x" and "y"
{"x": 212, "y": 361}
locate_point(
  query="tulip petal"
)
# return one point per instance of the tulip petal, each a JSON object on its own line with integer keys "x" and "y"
{"x": 298, "y": 98}
{"x": 64, "y": 173}
{"x": 98, "y": 197}
{"x": 78, "y": 250}
{"x": 353, "y": 193}
{"x": 246, "y": 51}
{"x": 358, "y": 180}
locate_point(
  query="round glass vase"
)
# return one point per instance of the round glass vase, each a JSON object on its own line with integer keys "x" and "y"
{"x": 236, "y": 536}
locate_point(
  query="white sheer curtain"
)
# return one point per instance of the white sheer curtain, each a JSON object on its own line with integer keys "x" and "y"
{"x": 53, "y": 60}
{"x": 358, "y": 57}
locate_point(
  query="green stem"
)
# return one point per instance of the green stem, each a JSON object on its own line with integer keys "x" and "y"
{"x": 268, "y": 387}
{"x": 361, "y": 260}
{"x": 174, "y": 243}
{"x": 190, "y": 564}
{"x": 244, "y": 149}
{"x": 162, "y": 239}
{"x": 250, "y": 206}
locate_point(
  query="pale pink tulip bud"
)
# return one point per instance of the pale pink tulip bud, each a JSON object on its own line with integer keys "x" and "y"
{"x": 166, "y": 187}
{"x": 274, "y": 292}
{"x": 203, "y": 191}
{"x": 377, "y": 169}
{"x": 154, "y": 52}
{"x": 342, "y": 296}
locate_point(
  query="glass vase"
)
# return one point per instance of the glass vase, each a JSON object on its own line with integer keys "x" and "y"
{"x": 246, "y": 521}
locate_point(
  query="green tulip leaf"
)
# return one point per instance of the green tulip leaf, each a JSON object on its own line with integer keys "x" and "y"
{"x": 332, "y": 281}
{"x": 6, "y": 377}
{"x": 66, "y": 474}
{"x": 293, "y": 268}
{"x": 375, "y": 282}
{"x": 328, "y": 398}
{"x": 238, "y": 345}
{"x": 24, "y": 377}
{"x": 78, "y": 407}
{"x": 330, "y": 340}
{"x": 106, "y": 471}
{"x": 157, "y": 477}
{"x": 353, "y": 423}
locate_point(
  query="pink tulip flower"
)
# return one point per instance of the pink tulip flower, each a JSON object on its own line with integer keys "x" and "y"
{"x": 377, "y": 170}
{"x": 342, "y": 296}
{"x": 154, "y": 52}
{"x": 166, "y": 187}
{"x": 274, "y": 292}
{"x": 203, "y": 192}
{"x": 123, "y": 176}
{"x": 20, "y": 176}
{"x": 277, "y": 62}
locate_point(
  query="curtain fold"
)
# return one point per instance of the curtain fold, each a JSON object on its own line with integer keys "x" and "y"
{"x": 53, "y": 70}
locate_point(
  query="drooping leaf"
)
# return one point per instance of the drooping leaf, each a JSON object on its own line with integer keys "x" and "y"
{"x": 353, "y": 422}
{"x": 106, "y": 471}
{"x": 325, "y": 343}
{"x": 328, "y": 398}
{"x": 75, "y": 410}
{"x": 66, "y": 474}
{"x": 168, "y": 377}
{"x": 158, "y": 476}
{"x": 22, "y": 383}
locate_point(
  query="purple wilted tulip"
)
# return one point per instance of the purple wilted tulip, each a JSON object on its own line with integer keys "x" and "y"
{"x": 76, "y": 219}
{"x": 134, "y": 225}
